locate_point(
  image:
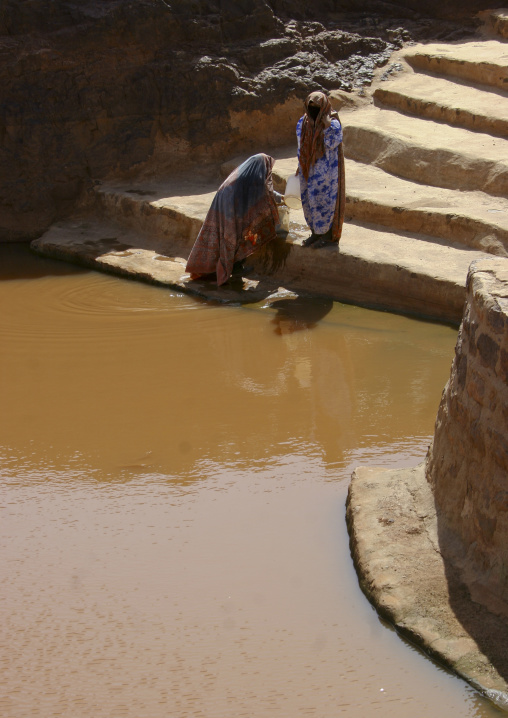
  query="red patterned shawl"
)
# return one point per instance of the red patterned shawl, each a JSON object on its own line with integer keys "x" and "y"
{"x": 241, "y": 219}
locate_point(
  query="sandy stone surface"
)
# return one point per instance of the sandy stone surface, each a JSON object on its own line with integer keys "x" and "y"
{"x": 472, "y": 219}
{"x": 437, "y": 98}
{"x": 394, "y": 541}
{"x": 482, "y": 61}
{"x": 109, "y": 248}
{"x": 435, "y": 154}
{"x": 469, "y": 219}
{"x": 430, "y": 543}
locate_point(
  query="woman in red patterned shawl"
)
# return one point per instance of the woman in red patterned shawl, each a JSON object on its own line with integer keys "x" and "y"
{"x": 241, "y": 219}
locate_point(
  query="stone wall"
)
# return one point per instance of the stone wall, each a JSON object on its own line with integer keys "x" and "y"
{"x": 467, "y": 465}
{"x": 91, "y": 89}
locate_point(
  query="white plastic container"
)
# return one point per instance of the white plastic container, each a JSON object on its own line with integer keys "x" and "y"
{"x": 292, "y": 196}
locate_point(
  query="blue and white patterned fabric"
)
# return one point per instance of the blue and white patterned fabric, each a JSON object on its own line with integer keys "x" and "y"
{"x": 319, "y": 192}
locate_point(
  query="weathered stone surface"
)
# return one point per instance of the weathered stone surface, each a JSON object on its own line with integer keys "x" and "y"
{"x": 395, "y": 543}
{"x": 109, "y": 248}
{"x": 437, "y": 98}
{"x": 432, "y": 153}
{"x": 481, "y": 61}
{"x": 390, "y": 270}
{"x": 470, "y": 219}
{"x": 468, "y": 463}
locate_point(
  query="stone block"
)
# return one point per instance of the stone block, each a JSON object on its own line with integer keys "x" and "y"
{"x": 488, "y": 349}
{"x": 475, "y": 387}
{"x": 496, "y": 320}
{"x": 467, "y": 466}
{"x": 504, "y": 365}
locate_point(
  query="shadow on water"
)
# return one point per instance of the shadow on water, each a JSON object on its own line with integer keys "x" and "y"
{"x": 489, "y": 630}
{"x": 294, "y": 315}
{"x": 480, "y": 701}
{"x": 17, "y": 261}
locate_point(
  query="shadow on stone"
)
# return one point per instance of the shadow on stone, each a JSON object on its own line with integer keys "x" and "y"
{"x": 272, "y": 257}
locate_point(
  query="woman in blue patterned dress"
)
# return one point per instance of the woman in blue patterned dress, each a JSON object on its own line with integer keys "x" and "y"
{"x": 321, "y": 171}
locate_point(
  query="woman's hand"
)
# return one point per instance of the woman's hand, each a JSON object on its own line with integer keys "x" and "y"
{"x": 327, "y": 121}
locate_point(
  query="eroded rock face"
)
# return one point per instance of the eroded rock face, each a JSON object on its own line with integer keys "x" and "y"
{"x": 467, "y": 466}
{"x": 101, "y": 87}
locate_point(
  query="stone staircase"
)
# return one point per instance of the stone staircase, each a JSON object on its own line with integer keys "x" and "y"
{"x": 427, "y": 193}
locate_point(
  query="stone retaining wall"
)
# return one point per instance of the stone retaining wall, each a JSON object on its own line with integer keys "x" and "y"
{"x": 467, "y": 465}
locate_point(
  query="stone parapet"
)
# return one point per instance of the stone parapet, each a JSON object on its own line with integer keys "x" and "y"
{"x": 467, "y": 465}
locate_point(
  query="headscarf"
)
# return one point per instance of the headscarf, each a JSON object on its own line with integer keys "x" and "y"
{"x": 252, "y": 181}
{"x": 312, "y": 145}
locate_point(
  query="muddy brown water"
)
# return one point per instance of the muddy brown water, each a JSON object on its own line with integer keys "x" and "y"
{"x": 173, "y": 477}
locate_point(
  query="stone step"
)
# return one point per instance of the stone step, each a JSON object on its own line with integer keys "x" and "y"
{"x": 480, "y": 62}
{"x": 108, "y": 247}
{"x": 497, "y": 21}
{"x": 443, "y": 100}
{"x": 470, "y": 219}
{"x": 172, "y": 210}
{"x": 175, "y": 211}
{"x": 399, "y": 272}
{"x": 427, "y": 152}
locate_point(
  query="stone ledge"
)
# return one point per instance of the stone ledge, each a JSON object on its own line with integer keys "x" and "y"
{"x": 431, "y": 153}
{"x": 477, "y": 62}
{"x": 109, "y": 248}
{"x": 393, "y": 532}
{"x": 471, "y": 219}
{"x": 390, "y": 271}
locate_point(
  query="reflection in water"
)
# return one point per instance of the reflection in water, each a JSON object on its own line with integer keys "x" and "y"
{"x": 172, "y": 486}
{"x": 300, "y": 313}
{"x": 17, "y": 262}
